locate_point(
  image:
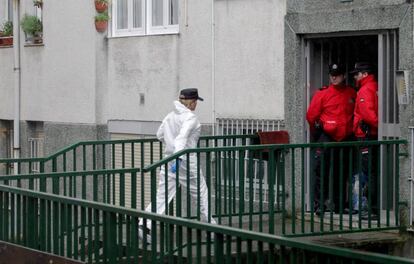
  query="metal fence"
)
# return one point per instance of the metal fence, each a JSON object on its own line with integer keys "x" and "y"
{"x": 284, "y": 188}
{"x": 99, "y": 233}
{"x": 275, "y": 198}
{"x": 239, "y": 126}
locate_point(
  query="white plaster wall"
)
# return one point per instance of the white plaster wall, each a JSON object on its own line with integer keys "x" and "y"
{"x": 6, "y": 83}
{"x": 249, "y": 58}
{"x": 248, "y": 43}
{"x": 58, "y": 79}
{"x": 3, "y": 11}
{"x": 159, "y": 66}
{"x": 141, "y": 65}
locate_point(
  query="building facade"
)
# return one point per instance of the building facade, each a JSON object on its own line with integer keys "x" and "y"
{"x": 251, "y": 60}
{"x": 80, "y": 84}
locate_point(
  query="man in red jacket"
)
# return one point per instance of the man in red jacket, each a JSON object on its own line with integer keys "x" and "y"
{"x": 330, "y": 116}
{"x": 365, "y": 127}
{"x": 366, "y": 107}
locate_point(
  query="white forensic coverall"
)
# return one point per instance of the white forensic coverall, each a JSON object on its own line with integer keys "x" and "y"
{"x": 180, "y": 130}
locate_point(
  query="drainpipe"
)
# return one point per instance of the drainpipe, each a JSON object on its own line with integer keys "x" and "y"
{"x": 213, "y": 69}
{"x": 17, "y": 84}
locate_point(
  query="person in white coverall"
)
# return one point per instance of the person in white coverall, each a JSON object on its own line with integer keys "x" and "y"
{"x": 180, "y": 130}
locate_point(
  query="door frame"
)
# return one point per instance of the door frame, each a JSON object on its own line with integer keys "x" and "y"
{"x": 387, "y": 62}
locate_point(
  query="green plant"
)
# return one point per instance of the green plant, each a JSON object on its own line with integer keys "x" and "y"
{"x": 102, "y": 16}
{"x": 31, "y": 25}
{"x": 8, "y": 29}
{"x": 102, "y": 1}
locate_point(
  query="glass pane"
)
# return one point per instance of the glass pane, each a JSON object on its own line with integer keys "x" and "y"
{"x": 157, "y": 11}
{"x": 173, "y": 14}
{"x": 137, "y": 16}
{"x": 122, "y": 14}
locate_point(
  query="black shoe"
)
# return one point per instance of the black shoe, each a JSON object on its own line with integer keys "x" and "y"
{"x": 346, "y": 211}
{"x": 365, "y": 214}
{"x": 144, "y": 232}
{"x": 318, "y": 211}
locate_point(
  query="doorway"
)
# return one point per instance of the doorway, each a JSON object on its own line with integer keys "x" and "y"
{"x": 381, "y": 50}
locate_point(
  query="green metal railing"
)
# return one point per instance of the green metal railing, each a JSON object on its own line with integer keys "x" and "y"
{"x": 107, "y": 186}
{"x": 93, "y": 232}
{"x": 261, "y": 188}
{"x": 264, "y": 188}
{"x": 107, "y": 154}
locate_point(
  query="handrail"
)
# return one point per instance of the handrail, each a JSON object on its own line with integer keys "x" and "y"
{"x": 273, "y": 147}
{"x": 98, "y": 142}
{"x": 81, "y": 143}
{"x": 112, "y": 212}
{"x": 66, "y": 173}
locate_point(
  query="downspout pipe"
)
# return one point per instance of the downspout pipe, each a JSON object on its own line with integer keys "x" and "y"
{"x": 213, "y": 69}
{"x": 17, "y": 82}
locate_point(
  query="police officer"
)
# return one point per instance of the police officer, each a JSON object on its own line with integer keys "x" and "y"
{"x": 366, "y": 106}
{"x": 330, "y": 116}
{"x": 365, "y": 127}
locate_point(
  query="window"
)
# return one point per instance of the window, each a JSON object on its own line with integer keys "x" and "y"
{"x": 144, "y": 17}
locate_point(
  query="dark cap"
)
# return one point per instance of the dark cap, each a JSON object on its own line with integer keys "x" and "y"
{"x": 362, "y": 67}
{"x": 190, "y": 93}
{"x": 336, "y": 69}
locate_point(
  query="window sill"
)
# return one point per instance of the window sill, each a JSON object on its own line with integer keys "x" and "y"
{"x": 146, "y": 35}
{"x": 6, "y": 46}
{"x": 33, "y": 44}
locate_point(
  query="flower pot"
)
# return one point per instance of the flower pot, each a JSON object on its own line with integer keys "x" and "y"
{"x": 100, "y": 7}
{"x": 101, "y": 26}
{"x": 6, "y": 41}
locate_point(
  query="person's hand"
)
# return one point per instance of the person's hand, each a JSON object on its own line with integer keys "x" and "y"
{"x": 364, "y": 127}
{"x": 173, "y": 168}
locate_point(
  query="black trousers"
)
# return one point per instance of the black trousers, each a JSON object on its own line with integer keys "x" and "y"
{"x": 366, "y": 162}
{"x": 329, "y": 175}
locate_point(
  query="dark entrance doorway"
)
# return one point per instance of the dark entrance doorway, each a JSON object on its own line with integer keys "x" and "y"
{"x": 378, "y": 48}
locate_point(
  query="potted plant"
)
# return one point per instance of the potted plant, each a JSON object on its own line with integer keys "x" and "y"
{"x": 101, "y": 5}
{"x": 6, "y": 38}
{"x": 101, "y": 21}
{"x": 38, "y": 3}
{"x": 32, "y": 27}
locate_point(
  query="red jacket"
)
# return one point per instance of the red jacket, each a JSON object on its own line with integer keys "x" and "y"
{"x": 366, "y": 107}
{"x": 333, "y": 108}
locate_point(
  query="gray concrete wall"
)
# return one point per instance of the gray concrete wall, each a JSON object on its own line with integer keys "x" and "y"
{"x": 323, "y": 5}
{"x": 365, "y": 17}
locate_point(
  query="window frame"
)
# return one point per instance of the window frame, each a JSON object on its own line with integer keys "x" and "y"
{"x": 164, "y": 28}
{"x": 146, "y": 21}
